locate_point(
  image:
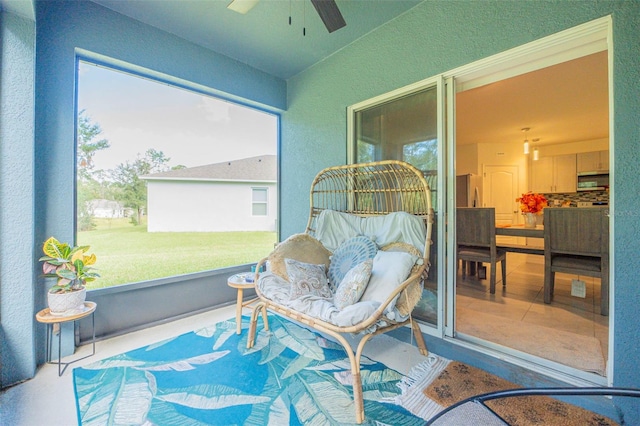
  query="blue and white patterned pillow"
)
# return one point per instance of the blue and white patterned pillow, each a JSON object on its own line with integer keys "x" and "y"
{"x": 353, "y": 285}
{"x": 350, "y": 253}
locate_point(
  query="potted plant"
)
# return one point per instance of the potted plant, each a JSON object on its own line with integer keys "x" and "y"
{"x": 71, "y": 266}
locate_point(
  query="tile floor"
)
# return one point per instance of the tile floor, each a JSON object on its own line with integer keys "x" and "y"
{"x": 523, "y": 299}
{"x": 49, "y": 400}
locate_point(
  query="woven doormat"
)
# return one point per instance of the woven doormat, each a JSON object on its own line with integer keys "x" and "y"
{"x": 459, "y": 381}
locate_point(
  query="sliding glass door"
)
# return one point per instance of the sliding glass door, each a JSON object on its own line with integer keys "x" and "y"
{"x": 463, "y": 130}
{"x": 407, "y": 125}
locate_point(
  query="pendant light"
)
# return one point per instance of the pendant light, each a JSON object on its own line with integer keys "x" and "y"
{"x": 526, "y": 141}
{"x": 536, "y": 154}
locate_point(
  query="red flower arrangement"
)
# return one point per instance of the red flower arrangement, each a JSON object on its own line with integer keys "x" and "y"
{"x": 532, "y": 203}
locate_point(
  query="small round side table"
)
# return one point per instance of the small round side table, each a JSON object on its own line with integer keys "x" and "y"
{"x": 45, "y": 317}
{"x": 241, "y": 282}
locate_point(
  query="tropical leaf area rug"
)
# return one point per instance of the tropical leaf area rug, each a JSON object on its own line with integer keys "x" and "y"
{"x": 292, "y": 376}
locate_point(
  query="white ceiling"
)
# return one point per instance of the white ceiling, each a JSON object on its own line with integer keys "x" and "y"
{"x": 563, "y": 103}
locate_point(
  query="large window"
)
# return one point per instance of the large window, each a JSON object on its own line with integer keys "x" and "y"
{"x": 163, "y": 175}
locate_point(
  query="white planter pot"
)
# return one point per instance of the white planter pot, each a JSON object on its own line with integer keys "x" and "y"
{"x": 62, "y": 303}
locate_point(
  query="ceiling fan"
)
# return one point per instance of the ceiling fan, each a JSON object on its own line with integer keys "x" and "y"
{"x": 327, "y": 10}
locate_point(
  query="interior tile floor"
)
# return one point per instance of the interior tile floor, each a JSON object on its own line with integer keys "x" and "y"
{"x": 49, "y": 400}
{"x": 523, "y": 299}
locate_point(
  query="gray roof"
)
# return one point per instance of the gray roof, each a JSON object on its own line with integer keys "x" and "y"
{"x": 256, "y": 169}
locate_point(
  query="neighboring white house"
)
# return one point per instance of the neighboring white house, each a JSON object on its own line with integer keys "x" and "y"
{"x": 238, "y": 195}
{"x": 107, "y": 209}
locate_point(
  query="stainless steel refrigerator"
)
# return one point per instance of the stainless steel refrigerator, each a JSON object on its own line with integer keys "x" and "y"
{"x": 467, "y": 192}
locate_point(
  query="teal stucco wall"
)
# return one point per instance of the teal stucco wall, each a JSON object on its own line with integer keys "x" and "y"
{"x": 435, "y": 37}
{"x": 17, "y": 48}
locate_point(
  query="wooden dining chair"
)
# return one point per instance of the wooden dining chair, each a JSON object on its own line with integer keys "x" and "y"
{"x": 476, "y": 239}
{"x": 576, "y": 241}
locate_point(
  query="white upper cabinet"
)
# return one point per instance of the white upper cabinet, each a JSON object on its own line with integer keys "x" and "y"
{"x": 542, "y": 179}
{"x": 554, "y": 174}
{"x": 595, "y": 161}
{"x": 565, "y": 173}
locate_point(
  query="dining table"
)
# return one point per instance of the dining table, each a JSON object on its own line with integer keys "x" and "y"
{"x": 521, "y": 231}
{"x": 515, "y": 231}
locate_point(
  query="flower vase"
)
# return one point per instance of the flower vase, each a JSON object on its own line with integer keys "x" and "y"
{"x": 530, "y": 220}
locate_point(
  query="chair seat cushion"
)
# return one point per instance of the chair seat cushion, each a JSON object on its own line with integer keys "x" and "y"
{"x": 576, "y": 262}
{"x": 275, "y": 288}
{"x": 476, "y": 252}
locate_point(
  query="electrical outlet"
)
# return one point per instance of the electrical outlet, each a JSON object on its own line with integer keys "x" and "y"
{"x": 578, "y": 288}
{"x": 585, "y": 204}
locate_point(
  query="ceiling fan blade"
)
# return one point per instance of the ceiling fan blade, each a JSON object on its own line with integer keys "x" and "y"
{"x": 330, "y": 14}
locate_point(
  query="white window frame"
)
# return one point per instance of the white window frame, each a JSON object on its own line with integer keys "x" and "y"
{"x": 439, "y": 83}
{"x": 254, "y": 190}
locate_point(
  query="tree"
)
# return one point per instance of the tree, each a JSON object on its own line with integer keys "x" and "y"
{"x": 87, "y": 145}
{"x": 132, "y": 189}
{"x": 89, "y": 184}
{"x": 423, "y": 155}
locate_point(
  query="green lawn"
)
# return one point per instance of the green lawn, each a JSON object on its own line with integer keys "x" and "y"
{"x": 128, "y": 253}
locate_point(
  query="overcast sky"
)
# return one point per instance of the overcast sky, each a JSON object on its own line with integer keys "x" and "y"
{"x": 136, "y": 114}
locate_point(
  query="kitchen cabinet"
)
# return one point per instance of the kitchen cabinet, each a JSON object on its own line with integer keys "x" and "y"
{"x": 592, "y": 161}
{"x": 554, "y": 174}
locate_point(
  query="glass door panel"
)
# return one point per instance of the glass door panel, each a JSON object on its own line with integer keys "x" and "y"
{"x": 405, "y": 126}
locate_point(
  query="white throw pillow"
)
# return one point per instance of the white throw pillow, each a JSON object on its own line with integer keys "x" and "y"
{"x": 390, "y": 269}
{"x": 307, "y": 278}
{"x": 350, "y": 253}
{"x": 353, "y": 285}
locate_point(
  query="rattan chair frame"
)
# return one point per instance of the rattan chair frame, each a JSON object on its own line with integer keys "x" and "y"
{"x": 367, "y": 189}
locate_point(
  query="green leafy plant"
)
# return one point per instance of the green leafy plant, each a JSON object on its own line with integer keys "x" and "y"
{"x": 69, "y": 265}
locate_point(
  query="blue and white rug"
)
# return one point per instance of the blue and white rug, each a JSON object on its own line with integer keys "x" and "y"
{"x": 292, "y": 376}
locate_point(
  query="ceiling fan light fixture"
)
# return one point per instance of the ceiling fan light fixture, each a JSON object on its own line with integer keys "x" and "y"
{"x": 242, "y": 6}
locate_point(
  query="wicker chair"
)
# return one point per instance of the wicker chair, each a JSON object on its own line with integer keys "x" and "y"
{"x": 365, "y": 190}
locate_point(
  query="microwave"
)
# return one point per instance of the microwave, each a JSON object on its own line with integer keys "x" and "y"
{"x": 593, "y": 181}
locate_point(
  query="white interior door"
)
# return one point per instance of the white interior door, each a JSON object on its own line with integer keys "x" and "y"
{"x": 500, "y": 191}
